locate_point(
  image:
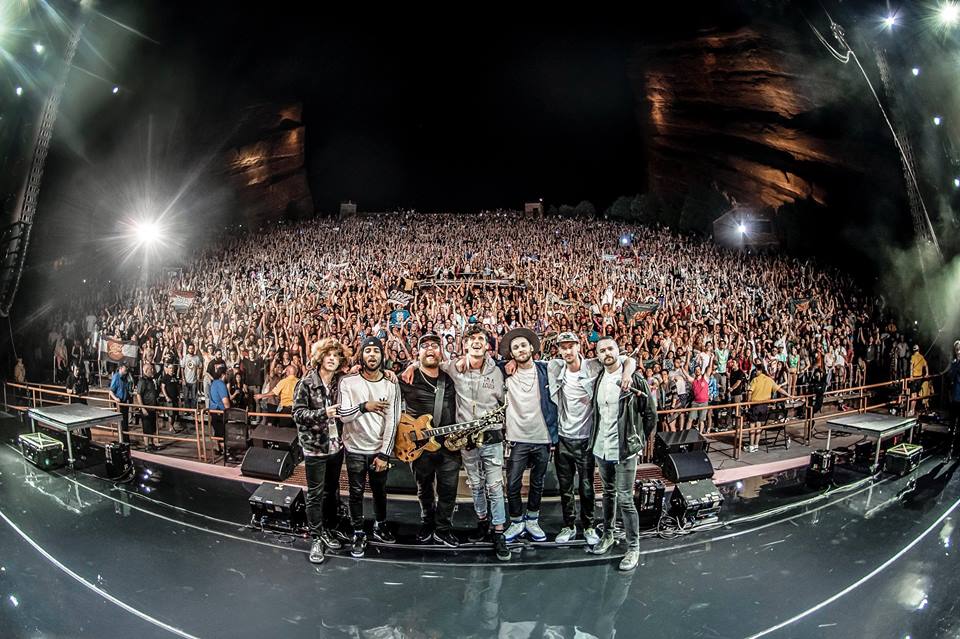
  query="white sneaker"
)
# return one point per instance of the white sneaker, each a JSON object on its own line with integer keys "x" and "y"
{"x": 533, "y": 529}
{"x": 590, "y": 534}
{"x": 514, "y": 530}
{"x": 630, "y": 560}
{"x": 565, "y": 535}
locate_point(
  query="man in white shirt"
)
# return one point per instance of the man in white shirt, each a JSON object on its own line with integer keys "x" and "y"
{"x": 622, "y": 424}
{"x": 370, "y": 411}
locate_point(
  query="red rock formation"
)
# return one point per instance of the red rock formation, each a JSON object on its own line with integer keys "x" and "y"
{"x": 265, "y": 164}
{"x": 734, "y": 109}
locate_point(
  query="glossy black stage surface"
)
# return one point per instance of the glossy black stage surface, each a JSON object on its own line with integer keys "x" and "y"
{"x": 170, "y": 554}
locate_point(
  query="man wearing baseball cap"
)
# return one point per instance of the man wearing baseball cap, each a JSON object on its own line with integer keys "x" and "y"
{"x": 432, "y": 392}
{"x": 572, "y": 379}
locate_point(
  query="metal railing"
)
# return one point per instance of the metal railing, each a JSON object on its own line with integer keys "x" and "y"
{"x": 738, "y": 421}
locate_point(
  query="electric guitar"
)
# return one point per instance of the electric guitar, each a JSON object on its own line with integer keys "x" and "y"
{"x": 415, "y": 435}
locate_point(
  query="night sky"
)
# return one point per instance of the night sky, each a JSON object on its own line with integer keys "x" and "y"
{"x": 472, "y": 114}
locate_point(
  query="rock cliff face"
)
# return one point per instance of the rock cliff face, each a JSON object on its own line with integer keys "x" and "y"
{"x": 264, "y": 163}
{"x": 743, "y": 110}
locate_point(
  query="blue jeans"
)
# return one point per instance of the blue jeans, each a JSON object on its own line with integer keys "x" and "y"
{"x": 523, "y": 454}
{"x": 484, "y": 466}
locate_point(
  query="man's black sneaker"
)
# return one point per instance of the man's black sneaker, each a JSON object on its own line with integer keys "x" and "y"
{"x": 500, "y": 546}
{"x": 382, "y": 534}
{"x": 482, "y": 533}
{"x": 359, "y": 544}
{"x": 329, "y": 538}
{"x": 425, "y": 534}
{"x": 316, "y": 551}
{"x": 446, "y": 538}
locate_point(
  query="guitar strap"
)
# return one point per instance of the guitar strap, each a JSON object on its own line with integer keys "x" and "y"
{"x": 438, "y": 400}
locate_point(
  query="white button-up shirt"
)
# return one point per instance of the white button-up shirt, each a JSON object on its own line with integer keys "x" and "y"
{"x": 607, "y": 444}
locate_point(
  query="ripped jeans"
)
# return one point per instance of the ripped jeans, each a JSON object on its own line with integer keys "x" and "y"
{"x": 484, "y": 466}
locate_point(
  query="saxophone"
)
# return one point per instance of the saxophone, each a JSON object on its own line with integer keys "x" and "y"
{"x": 472, "y": 432}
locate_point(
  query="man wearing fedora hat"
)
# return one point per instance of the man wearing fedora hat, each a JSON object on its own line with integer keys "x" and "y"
{"x": 531, "y": 430}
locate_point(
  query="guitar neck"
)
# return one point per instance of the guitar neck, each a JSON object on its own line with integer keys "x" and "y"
{"x": 452, "y": 428}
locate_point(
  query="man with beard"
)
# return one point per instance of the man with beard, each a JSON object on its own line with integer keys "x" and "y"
{"x": 572, "y": 379}
{"x": 315, "y": 407}
{"x": 480, "y": 391}
{"x": 531, "y": 430}
{"x": 370, "y": 411}
{"x": 623, "y": 421}
{"x": 432, "y": 393}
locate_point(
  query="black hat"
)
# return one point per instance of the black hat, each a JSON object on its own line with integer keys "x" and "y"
{"x": 373, "y": 340}
{"x": 518, "y": 332}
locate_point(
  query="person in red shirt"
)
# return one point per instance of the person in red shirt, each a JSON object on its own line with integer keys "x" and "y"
{"x": 701, "y": 399}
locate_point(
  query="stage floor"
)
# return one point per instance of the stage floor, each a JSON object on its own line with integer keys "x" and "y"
{"x": 170, "y": 554}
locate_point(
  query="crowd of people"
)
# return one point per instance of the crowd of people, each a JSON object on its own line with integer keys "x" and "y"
{"x": 259, "y": 301}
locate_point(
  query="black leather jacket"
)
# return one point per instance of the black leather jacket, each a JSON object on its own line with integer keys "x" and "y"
{"x": 310, "y": 401}
{"x": 636, "y": 421}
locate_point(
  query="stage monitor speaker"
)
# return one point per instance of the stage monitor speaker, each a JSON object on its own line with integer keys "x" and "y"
{"x": 118, "y": 459}
{"x": 279, "y": 507}
{"x": 682, "y": 441}
{"x": 267, "y": 463}
{"x": 279, "y": 438}
{"x": 696, "y": 502}
{"x": 680, "y": 467}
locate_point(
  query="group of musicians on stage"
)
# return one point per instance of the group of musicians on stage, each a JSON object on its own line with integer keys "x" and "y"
{"x": 589, "y": 413}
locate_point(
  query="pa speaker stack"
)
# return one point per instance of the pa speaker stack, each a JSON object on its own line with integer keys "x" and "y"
{"x": 267, "y": 463}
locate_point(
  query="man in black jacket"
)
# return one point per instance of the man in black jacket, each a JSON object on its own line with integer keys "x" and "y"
{"x": 442, "y": 467}
{"x": 315, "y": 402}
{"x": 623, "y": 422}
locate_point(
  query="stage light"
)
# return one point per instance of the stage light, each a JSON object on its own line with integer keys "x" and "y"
{"x": 915, "y": 71}
{"x": 146, "y": 233}
{"x": 949, "y": 14}
{"x": 19, "y": 91}
{"x": 625, "y": 239}
{"x": 741, "y": 228}
{"x": 39, "y": 48}
{"x": 115, "y": 90}
{"x": 956, "y": 182}
{"x": 890, "y": 21}
{"x": 937, "y": 120}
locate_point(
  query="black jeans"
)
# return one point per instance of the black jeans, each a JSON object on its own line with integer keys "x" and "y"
{"x": 437, "y": 472}
{"x": 521, "y": 455}
{"x": 618, "y": 480}
{"x": 124, "y": 423}
{"x": 358, "y": 469}
{"x": 573, "y": 457}
{"x": 323, "y": 492}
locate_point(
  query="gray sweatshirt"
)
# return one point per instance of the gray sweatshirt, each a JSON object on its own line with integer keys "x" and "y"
{"x": 479, "y": 392}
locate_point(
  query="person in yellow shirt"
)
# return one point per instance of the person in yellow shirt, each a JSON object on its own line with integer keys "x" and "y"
{"x": 284, "y": 392}
{"x": 761, "y": 389}
{"x": 919, "y": 389}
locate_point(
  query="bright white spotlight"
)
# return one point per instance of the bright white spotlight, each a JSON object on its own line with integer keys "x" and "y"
{"x": 741, "y": 228}
{"x": 146, "y": 232}
{"x": 115, "y": 90}
{"x": 915, "y": 71}
{"x": 18, "y": 91}
{"x": 949, "y": 14}
{"x": 890, "y": 21}
{"x": 956, "y": 182}
{"x": 625, "y": 239}
{"x": 937, "y": 120}
{"x": 39, "y": 48}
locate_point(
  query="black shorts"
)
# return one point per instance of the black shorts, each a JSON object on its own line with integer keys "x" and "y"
{"x": 759, "y": 412}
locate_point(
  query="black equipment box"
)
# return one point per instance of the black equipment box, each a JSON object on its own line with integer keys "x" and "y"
{"x": 697, "y": 502}
{"x": 863, "y": 455}
{"x": 902, "y": 458}
{"x": 279, "y": 507}
{"x": 820, "y": 470}
{"x": 683, "y": 441}
{"x": 648, "y": 496}
{"x": 41, "y": 450}
{"x": 118, "y": 459}
{"x": 681, "y": 467}
{"x": 278, "y": 438}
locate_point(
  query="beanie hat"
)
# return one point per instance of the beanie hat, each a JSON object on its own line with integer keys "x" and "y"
{"x": 372, "y": 341}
